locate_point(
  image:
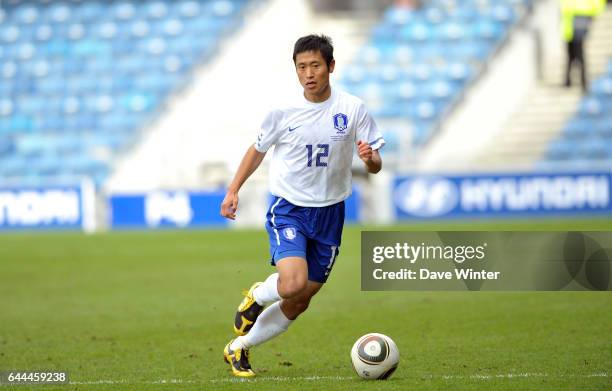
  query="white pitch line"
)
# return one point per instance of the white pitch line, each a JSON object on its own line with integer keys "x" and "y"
{"x": 499, "y": 376}
{"x": 224, "y": 380}
{"x": 340, "y": 378}
{"x": 281, "y": 379}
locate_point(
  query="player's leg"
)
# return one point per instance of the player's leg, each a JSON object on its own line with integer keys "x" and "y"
{"x": 277, "y": 318}
{"x": 270, "y": 323}
{"x": 287, "y": 282}
{"x": 292, "y": 279}
{"x": 286, "y": 241}
{"x": 321, "y": 258}
{"x": 292, "y": 307}
{"x": 292, "y": 275}
{"x": 299, "y": 280}
{"x": 267, "y": 292}
{"x": 255, "y": 299}
{"x": 288, "y": 253}
{"x": 296, "y": 284}
{"x": 570, "y": 60}
{"x": 321, "y": 252}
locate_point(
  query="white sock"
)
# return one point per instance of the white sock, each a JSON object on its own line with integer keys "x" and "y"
{"x": 236, "y": 344}
{"x": 270, "y": 323}
{"x": 267, "y": 292}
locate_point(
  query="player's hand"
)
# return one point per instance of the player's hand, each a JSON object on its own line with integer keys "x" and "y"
{"x": 229, "y": 205}
{"x": 364, "y": 150}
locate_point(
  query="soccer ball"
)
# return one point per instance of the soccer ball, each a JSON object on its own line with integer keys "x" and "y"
{"x": 375, "y": 356}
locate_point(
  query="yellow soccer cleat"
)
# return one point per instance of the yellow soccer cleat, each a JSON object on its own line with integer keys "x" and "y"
{"x": 247, "y": 313}
{"x": 238, "y": 361}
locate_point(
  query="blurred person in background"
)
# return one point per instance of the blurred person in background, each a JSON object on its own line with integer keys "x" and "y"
{"x": 577, "y": 16}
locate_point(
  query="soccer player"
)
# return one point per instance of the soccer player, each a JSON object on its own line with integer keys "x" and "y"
{"x": 310, "y": 177}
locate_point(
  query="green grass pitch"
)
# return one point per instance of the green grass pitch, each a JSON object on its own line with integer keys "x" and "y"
{"x": 153, "y": 310}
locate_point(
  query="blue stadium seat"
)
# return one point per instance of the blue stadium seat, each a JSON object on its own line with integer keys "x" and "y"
{"x": 421, "y": 131}
{"x": 603, "y": 126}
{"x": 561, "y": 149}
{"x": 439, "y": 89}
{"x": 392, "y": 140}
{"x": 383, "y": 32}
{"x": 418, "y": 62}
{"x": 416, "y": 32}
{"x": 503, "y": 13}
{"x": 13, "y": 165}
{"x": 578, "y": 128}
{"x": 77, "y": 76}
{"x": 398, "y": 16}
{"x": 602, "y": 87}
{"x": 591, "y": 149}
{"x": 7, "y": 146}
{"x": 9, "y": 33}
{"x": 91, "y": 10}
{"x": 58, "y": 13}
{"x": 463, "y": 15}
{"x": 591, "y": 107}
{"x": 43, "y": 32}
{"x": 454, "y": 31}
{"x": 188, "y": 9}
{"x": 123, "y": 11}
{"x": 6, "y": 107}
{"x": 406, "y": 91}
{"x": 459, "y": 72}
{"x": 489, "y": 30}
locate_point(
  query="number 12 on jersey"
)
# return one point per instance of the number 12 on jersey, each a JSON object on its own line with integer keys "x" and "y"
{"x": 323, "y": 152}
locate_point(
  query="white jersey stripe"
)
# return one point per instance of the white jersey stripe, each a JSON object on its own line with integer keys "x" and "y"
{"x": 331, "y": 260}
{"x": 272, "y": 220}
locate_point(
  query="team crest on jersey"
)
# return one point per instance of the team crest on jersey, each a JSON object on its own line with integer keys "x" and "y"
{"x": 289, "y": 233}
{"x": 340, "y": 122}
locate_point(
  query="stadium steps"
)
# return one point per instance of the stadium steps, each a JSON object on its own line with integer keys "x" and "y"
{"x": 548, "y": 106}
{"x": 599, "y": 47}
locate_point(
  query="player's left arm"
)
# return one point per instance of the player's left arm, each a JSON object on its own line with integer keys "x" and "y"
{"x": 370, "y": 157}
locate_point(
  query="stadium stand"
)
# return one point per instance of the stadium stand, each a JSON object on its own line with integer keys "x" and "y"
{"x": 78, "y": 79}
{"x": 527, "y": 140}
{"x": 586, "y": 139}
{"x": 418, "y": 63}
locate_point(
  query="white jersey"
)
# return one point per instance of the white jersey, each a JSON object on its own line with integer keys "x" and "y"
{"x": 315, "y": 143}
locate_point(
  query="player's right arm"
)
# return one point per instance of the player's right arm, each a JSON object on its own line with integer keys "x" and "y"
{"x": 251, "y": 160}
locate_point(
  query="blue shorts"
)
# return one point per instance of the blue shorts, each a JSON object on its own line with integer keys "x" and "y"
{"x": 310, "y": 233}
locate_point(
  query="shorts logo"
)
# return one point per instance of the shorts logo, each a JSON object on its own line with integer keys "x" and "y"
{"x": 289, "y": 233}
{"x": 340, "y": 122}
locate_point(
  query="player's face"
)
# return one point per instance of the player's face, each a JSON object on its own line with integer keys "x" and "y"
{"x": 314, "y": 75}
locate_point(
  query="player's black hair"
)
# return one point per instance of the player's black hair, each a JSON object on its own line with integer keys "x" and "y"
{"x": 312, "y": 42}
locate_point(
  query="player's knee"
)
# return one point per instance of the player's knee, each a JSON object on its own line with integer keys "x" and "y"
{"x": 291, "y": 287}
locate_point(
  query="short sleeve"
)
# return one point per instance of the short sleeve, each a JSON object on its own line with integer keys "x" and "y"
{"x": 367, "y": 130}
{"x": 269, "y": 132}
